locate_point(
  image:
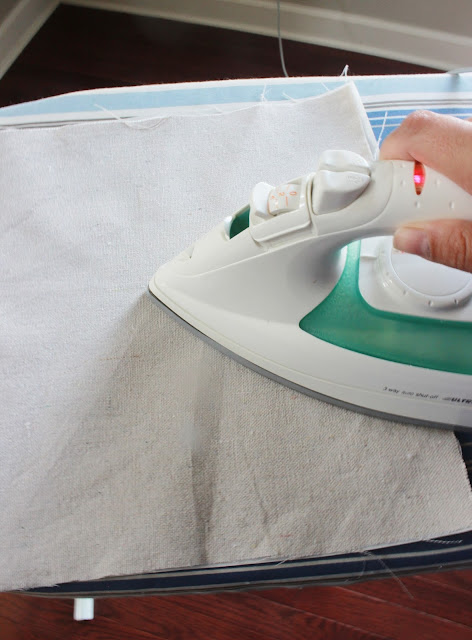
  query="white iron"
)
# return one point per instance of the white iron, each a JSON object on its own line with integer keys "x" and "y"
{"x": 365, "y": 326}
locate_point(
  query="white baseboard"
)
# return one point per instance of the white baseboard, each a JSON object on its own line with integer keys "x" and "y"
{"x": 333, "y": 28}
{"x": 19, "y": 26}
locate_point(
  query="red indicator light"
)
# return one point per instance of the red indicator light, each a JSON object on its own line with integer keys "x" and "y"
{"x": 419, "y": 177}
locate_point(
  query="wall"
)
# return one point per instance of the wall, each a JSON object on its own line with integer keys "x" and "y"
{"x": 19, "y": 21}
{"x": 427, "y": 32}
{"x": 5, "y": 7}
{"x": 452, "y": 16}
{"x": 434, "y": 33}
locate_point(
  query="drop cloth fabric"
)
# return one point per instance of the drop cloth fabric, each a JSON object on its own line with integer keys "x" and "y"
{"x": 128, "y": 445}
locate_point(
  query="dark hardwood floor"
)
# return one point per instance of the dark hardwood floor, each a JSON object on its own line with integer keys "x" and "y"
{"x": 85, "y": 49}
{"x": 428, "y": 607}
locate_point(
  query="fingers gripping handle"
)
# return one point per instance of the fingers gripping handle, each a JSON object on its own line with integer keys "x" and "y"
{"x": 420, "y": 193}
{"x": 399, "y": 192}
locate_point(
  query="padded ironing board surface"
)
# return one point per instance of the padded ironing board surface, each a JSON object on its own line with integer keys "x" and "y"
{"x": 387, "y": 100}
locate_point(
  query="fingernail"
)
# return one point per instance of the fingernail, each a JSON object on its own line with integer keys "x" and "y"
{"x": 412, "y": 241}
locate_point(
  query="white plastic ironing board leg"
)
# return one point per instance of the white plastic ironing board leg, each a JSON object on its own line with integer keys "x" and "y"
{"x": 83, "y": 609}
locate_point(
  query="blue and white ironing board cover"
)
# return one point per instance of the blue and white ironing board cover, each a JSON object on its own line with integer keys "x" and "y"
{"x": 387, "y": 99}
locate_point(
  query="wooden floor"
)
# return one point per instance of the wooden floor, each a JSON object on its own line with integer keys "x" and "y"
{"x": 85, "y": 49}
{"x": 429, "y": 607}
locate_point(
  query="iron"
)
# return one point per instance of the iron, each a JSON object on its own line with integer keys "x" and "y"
{"x": 304, "y": 286}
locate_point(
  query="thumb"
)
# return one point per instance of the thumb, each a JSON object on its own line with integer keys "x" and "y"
{"x": 448, "y": 242}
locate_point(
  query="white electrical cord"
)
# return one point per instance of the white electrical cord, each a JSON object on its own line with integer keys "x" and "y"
{"x": 281, "y": 48}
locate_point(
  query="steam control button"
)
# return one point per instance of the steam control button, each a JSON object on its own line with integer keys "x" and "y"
{"x": 284, "y": 198}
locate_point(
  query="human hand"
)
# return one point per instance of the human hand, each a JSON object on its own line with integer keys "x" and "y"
{"x": 443, "y": 143}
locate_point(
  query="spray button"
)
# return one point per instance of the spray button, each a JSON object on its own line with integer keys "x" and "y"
{"x": 334, "y": 160}
{"x": 336, "y": 190}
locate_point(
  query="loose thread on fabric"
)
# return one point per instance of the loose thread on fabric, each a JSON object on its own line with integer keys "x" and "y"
{"x": 286, "y": 559}
{"x": 297, "y": 100}
{"x": 222, "y": 112}
{"x": 363, "y": 570}
{"x": 444, "y": 542}
{"x": 390, "y": 572}
{"x": 134, "y": 124}
{"x": 325, "y": 87}
{"x": 379, "y": 139}
{"x": 294, "y": 100}
{"x": 263, "y": 94}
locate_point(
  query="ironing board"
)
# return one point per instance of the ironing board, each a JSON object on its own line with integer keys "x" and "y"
{"x": 387, "y": 99}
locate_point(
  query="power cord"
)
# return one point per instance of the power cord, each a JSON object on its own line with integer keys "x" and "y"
{"x": 281, "y": 47}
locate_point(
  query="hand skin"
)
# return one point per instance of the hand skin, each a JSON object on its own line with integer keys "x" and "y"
{"x": 443, "y": 143}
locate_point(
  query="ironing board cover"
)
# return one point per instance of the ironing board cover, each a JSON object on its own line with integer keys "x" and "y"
{"x": 387, "y": 99}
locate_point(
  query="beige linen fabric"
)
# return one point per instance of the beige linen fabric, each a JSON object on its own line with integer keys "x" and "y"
{"x": 128, "y": 445}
